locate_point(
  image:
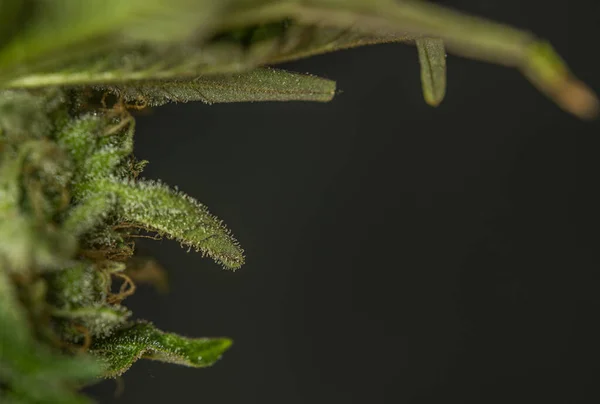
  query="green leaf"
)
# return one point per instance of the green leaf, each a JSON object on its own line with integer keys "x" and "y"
{"x": 26, "y": 114}
{"x": 104, "y": 191}
{"x": 141, "y": 340}
{"x": 60, "y": 31}
{"x": 13, "y": 15}
{"x": 97, "y": 143}
{"x": 14, "y": 327}
{"x": 188, "y": 61}
{"x": 257, "y": 85}
{"x": 116, "y": 41}
{"x": 135, "y": 63}
{"x": 462, "y": 34}
{"x": 176, "y": 215}
{"x": 89, "y": 213}
{"x": 432, "y": 56}
{"x": 78, "y": 297}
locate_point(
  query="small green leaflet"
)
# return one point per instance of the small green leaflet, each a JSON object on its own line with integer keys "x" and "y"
{"x": 432, "y": 56}
{"x": 262, "y": 84}
{"x": 141, "y": 340}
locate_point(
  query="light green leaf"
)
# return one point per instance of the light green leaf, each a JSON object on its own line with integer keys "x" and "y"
{"x": 227, "y": 54}
{"x": 257, "y": 85}
{"x": 14, "y": 327}
{"x": 99, "y": 320}
{"x": 104, "y": 192}
{"x": 175, "y": 215}
{"x": 432, "y": 56}
{"x": 97, "y": 143}
{"x": 25, "y": 115}
{"x": 78, "y": 296}
{"x": 65, "y": 30}
{"x": 141, "y": 340}
{"x": 89, "y": 213}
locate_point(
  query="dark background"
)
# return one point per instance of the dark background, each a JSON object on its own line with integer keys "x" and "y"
{"x": 396, "y": 253}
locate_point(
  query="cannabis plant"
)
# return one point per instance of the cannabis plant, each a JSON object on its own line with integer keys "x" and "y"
{"x": 72, "y": 199}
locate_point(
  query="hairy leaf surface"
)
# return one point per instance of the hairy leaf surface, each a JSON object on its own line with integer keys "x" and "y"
{"x": 142, "y": 340}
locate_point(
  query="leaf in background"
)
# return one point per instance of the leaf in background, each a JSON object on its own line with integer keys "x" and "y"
{"x": 118, "y": 42}
{"x": 226, "y": 55}
{"x": 13, "y": 15}
{"x": 63, "y": 30}
{"x": 147, "y": 270}
{"x": 432, "y": 56}
{"x": 142, "y": 340}
{"x": 262, "y": 84}
{"x": 295, "y": 40}
{"x": 78, "y": 299}
{"x": 88, "y": 213}
{"x": 462, "y": 34}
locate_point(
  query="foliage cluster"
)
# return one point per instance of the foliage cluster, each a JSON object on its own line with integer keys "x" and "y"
{"x": 72, "y": 201}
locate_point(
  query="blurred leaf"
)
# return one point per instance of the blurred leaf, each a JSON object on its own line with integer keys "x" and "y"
{"x": 13, "y": 15}
{"x": 142, "y": 340}
{"x": 462, "y": 34}
{"x": 68, "y": 42}
{"x": 148, "y": 270}
{"x": 63, "y": 30}
{"x": 33, "y": 180}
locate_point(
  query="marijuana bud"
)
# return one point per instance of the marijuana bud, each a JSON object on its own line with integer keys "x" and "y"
{"x": 72, "y": 201}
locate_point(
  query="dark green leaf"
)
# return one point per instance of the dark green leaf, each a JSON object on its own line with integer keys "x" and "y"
{"x": 257, "y": 85}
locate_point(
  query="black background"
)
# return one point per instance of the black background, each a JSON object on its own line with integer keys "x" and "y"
{"x": 396, "y": 253}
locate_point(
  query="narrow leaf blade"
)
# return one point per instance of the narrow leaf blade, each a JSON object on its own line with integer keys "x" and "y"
{"x": 432, "y": 57}
{"x": 142, "y": 340}
{"x": 176, "y": 215}
{"x": 263, "y": 84}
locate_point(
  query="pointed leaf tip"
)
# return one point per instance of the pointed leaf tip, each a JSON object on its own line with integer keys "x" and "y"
{"x": 142, "y": 340}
